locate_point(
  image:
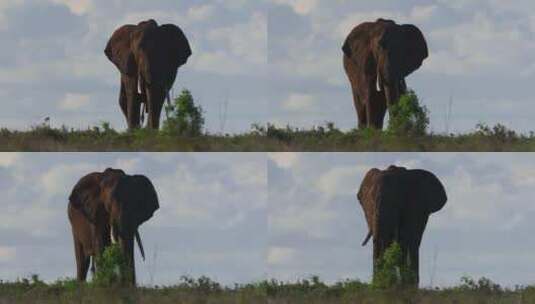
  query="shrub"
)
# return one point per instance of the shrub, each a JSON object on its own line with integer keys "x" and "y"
{"x": 499, "y": 132}
{"x": 183, "y": 117}
{"x": 408, "y": 117}
{"x": 484, "y": 285}
{"x": 390, "y": 271}
{"x": 112, "y": 267}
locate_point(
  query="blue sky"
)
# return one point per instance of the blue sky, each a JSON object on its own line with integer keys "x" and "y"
{"x": 268, "y": 60}
{"x": 211, "y": 221}
{"x": 316, "y": 225}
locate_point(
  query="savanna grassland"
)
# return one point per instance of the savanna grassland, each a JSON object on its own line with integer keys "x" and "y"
{"x": 203, "y": 290}
{"x": 183, "y": 131}
{"x": 263, "y": 138}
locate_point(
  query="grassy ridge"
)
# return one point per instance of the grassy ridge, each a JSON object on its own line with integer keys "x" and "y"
{"x": 203, "y": 290}
{"x": 262, "y": 139}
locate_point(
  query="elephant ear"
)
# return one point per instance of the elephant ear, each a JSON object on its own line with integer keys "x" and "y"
{"x": 85, "y": 196}
{"x": 416, "y": 50}
{"x": 177, "y": 43}
{"x": 346, "y": 47}
{"x": 138, "y": 198}
{"x": 119, "y": 51}
{"x": 429, "y": 190}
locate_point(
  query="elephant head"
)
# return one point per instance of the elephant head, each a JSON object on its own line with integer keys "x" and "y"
{"x": 399, "y": 51}
{"x": 151, "y": 55}
{"x": 397, "y": 203}
{"x": 115, "y": 204}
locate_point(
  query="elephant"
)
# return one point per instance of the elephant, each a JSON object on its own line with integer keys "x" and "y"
{"x": 148, "y": 56}
{"x": 397, "y": 203}
{"x": 377, "y": 57}
{"x": 107, "y": 208}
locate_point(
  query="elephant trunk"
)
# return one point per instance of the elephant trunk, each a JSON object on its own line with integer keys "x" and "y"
{"x": 168, "y": 98}
{"x": 127, "y": 248}
{"x": 140, "y": 245}
{"x": 367, "y": 238}
{"x": 392, "y": 93}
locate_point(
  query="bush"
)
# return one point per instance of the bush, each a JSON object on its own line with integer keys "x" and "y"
{"x": 499, "y": 132}
{"x": 183, "y": 117}
{"x": 112, "y": 267}
{"x": 408, "y": 117}
{"x": 391, "y": 271}
{"x": 484, "y": 285}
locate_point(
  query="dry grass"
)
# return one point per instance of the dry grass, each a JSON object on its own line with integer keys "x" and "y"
{"x": 264, "y": 139}
{"x": 313, "y": 291}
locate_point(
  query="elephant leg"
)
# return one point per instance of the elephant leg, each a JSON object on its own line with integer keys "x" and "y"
{"x": 82, "y": 262}
{"x": 155, "y": 101}
{"x": 133, "y": 101}
{"x": 359, "y": 103}
{"x": 128, "y": 276}
{"x": 93, "y": 266}
{"x": 123, "y": 100}
{"x": 360, "y": 108}
{"x": 414, "y": 230}
{"x": 414, "y": 262}
{"x": 402, "y": 87}
{"x": 378, "y": 109}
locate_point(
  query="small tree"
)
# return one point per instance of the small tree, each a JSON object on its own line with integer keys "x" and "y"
{"x": 183, "y": 117}
{"x": 112, "y": 267}
{"x": 408, "y": 117}
{"x": 391, "y": 271}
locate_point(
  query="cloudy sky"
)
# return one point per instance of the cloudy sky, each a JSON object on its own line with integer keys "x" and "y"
{"x": 482, "y": 57}
{"x": 486, "y": 229}
{"x": 212, "y": 217}
{"x": 268, "y": 60}
{"x": 52, "y": 62}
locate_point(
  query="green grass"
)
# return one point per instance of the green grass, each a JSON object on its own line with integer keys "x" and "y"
{"x": 313, "y": 290}
{"x": 263, "y": 138}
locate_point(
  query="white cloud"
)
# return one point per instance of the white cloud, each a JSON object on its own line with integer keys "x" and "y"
{"x": 60, "y": 179}
{"x": 299, "y": 102}
{"x": 284, "y": 159}
{"x": 4, "y": 5}
{"x": 7, "y": 253}
{"x": 201, "y": 12}
{"x": 340, "y": 181}
{"x": 240, "y": 48}
{"x": 280, "y": 255}
{"x": 301, "y": 7}
{"x": 78, "y": 7}
{"x": 480, "y": 45}
{"x": 250, "y": 174}
{"x": 74, "y": 101}
{"x": 8, "y": 159}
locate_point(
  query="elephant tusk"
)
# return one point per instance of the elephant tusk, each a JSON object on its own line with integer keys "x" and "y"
{"x": 140, "y": 244}
{"x": 139, "y": 85}
{"x": 367, "y": 238}
{"x": 378, "y": 83}
{"x": 112, "y": 235}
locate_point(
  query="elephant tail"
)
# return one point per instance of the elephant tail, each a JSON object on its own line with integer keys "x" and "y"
{"x": 367, "y": 238}
{"x": 140, "y": 244}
